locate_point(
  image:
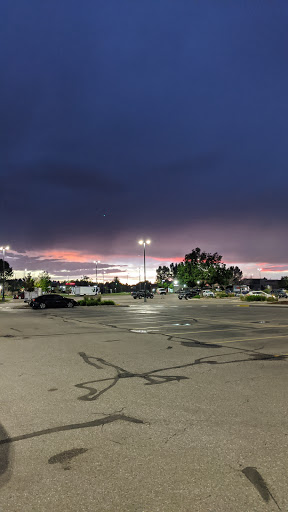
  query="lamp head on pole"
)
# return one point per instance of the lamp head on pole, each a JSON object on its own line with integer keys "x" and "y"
{"x": 142, "y": 242}
{"x": 5, "y": 248}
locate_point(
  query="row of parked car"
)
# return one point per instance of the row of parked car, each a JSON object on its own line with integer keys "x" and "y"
{"x": 189, "y": 294}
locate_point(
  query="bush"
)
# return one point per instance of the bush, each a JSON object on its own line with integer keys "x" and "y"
{"x": 93, "y": 301}
{"x": 90, "y": 301}
{"x": 258, "y": 298}
{"x": 197, "y": 297}
{"x": 219, "y": 295}
{"x": 253, "y": 298}
{"x": 272, "y": 299}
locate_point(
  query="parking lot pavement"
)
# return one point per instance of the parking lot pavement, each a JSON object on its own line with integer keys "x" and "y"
{"x": 164, "y": 406}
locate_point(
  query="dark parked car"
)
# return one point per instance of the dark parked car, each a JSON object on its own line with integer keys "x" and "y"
{"x": 281, "y": 294}
{"x": 52, "y": 301}
{"x": 141, "y": 293}
{"x": 187, "y": 294}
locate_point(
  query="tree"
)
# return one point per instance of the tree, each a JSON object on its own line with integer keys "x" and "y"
{"x": 85, "y": 281}
{"x": 8, "y": 271}
{"x": 236, "y": 275}
{"x": 164, "y": 274}
{"x": 284, "y": 282}
{"x": 115, "y": 285}
{"x": 15, "y": 285}
{"x": 173, "y": 269}
{"x": 29, "y": 283}
{"x": 43, "y": 281}
{"x": 205, "y": 267}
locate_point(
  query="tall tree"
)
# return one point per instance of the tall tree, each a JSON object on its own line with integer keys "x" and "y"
{"x": 164, "y": 274}
{"x": 284, "y": 282}
{"x": 29, "y": 283}
{"x": 8, "y": 271}
{"x": 85, "y": 281}
{"x": 236, "y": 275}
{"x": 204, "y": 267}
{"x": 173, "y": 269}
{"x": 43, "y": 281}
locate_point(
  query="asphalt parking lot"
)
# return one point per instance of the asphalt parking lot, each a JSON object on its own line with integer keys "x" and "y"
{"x": 165, "y": 406}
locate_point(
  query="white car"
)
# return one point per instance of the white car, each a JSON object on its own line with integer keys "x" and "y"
{"x": 208, "y": 293}
{"x": 258, "y": 292}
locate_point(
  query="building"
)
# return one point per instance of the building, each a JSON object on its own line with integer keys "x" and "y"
{"x": 262, "y": 284}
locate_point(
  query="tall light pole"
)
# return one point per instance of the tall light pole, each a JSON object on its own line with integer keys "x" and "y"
{"x": 259, "y": 269}
{"x": 96, "y": 270}
{"x": 3, "y": 249}
{"x": 144, "y": 242}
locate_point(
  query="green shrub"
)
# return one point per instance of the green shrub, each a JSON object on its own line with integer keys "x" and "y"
{"x": 219, "y": 295}
{"x": 90, "y": 301}
{"x": 197, "y": 297}
{"x": 93, "y": 301}
{"x": 272, "y": 299}
{"x": 253, "y": 298}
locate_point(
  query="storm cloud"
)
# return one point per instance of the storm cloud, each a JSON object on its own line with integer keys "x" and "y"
{"x": 160, "y": 119}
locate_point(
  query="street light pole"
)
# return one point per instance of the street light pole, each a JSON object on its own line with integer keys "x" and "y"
{"x": 96, "y": 270}
{"x": 144, "y": 242}
{"x": 259, "y": 269}
{"x": 3, "y": 249}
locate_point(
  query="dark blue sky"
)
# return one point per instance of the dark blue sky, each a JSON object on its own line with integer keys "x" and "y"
{"x": 159, "y": 118}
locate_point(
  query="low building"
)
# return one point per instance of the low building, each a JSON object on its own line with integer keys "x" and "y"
{"x": 262, "y": 284}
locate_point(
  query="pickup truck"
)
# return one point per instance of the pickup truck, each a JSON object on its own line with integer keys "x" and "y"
{"x": 187, "y": 294}
{"x": 141, "y": 294}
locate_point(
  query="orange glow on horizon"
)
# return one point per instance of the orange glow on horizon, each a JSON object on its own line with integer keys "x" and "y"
{"x": 79, "y": 257}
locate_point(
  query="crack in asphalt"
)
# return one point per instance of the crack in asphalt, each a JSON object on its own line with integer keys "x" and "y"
{"x": 150, "y": 377}
{"x": 72, "y": 426}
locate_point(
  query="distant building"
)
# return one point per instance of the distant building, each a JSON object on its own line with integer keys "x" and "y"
{"x": 262, "y": 284}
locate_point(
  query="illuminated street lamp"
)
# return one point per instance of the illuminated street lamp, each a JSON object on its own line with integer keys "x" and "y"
{"x": 144, "y": 242}
{"x": 96, "y": 270}
{"x": 3, "y": 249}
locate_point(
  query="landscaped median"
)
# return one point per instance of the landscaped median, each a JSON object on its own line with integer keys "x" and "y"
{"x": 258, "y": 298}
{"x": 95, "y": 301}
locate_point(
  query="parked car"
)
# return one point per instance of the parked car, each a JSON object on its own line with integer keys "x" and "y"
{"x": 18, "y": 295}
{"x": 187, "y": 294}
{"x": 52, "y": 301}
{"x": 281, "y": 294}
{"x": 140, "y": 294}
{"x": 259, "y": 292}
{"x": 161, "y": 291}
{"x": 208, "y": 293}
